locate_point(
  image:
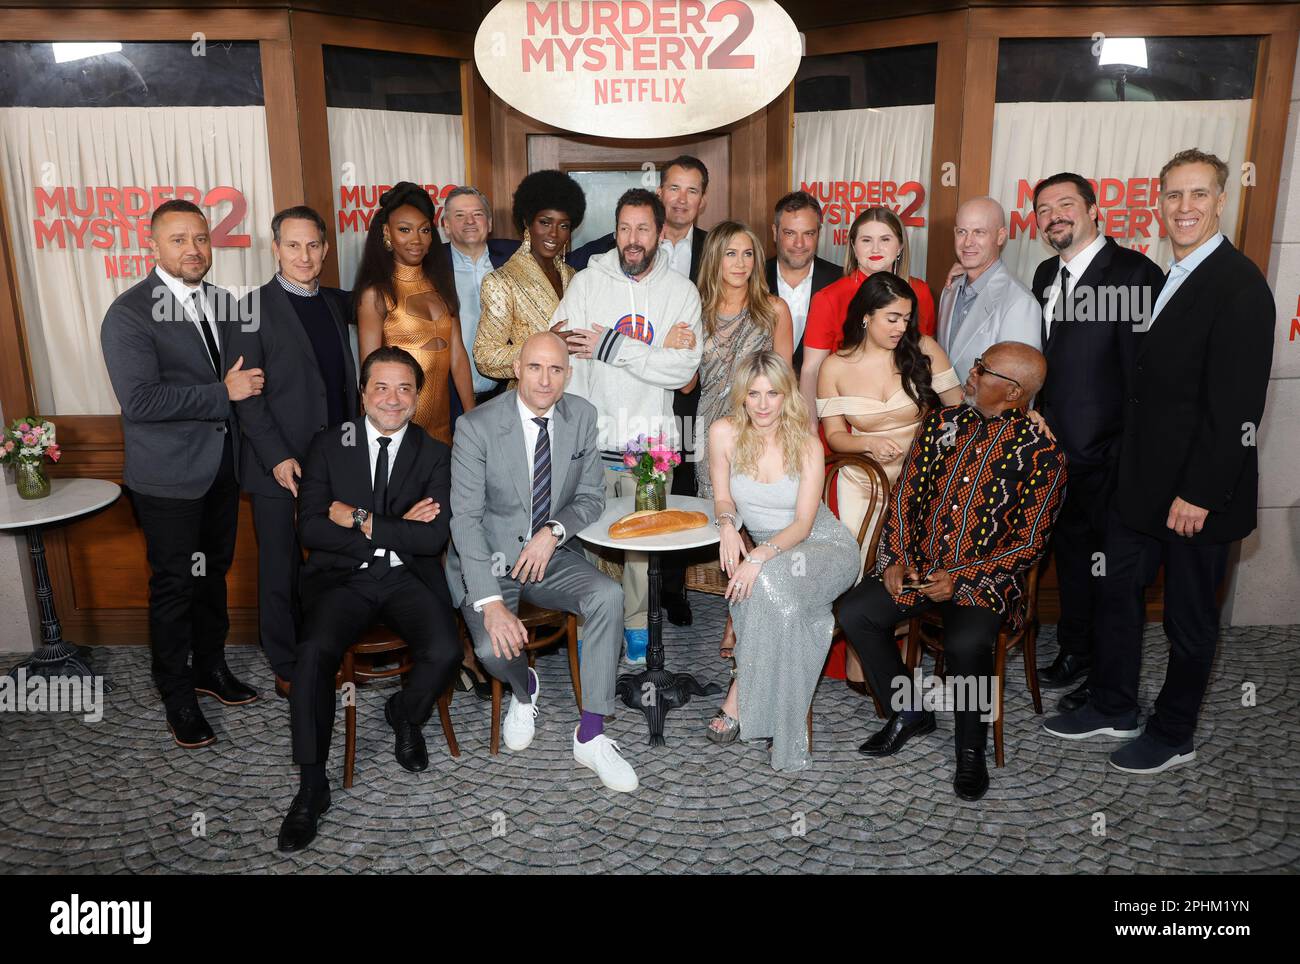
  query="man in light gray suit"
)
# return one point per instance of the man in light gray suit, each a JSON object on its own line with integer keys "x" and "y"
{"x": 987, "y": 304}
{"x": 167, "y": 346}
{"x": 526, "y": 477}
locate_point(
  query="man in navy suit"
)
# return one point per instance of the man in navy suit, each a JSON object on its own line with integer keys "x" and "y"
{"x": 1088, "y": 294}
{"x": 1188, "y": 473}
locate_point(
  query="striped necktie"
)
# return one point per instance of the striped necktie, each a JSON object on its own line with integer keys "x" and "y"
{"x": 541, "y": 476}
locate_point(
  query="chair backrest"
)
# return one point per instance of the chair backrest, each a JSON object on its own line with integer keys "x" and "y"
{"x": 878, "y": 497}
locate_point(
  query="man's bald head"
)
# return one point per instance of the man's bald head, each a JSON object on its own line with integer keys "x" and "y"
{"x": 979, "y": 233}
{"x": 542, "y": 369}
{"x": 1024, "y": 363}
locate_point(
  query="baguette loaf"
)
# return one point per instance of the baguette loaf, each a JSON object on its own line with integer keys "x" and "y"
{"x": 649, "y": 522}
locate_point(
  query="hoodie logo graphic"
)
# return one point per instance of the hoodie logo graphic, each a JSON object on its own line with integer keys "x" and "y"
{"x": 636, "y": 326}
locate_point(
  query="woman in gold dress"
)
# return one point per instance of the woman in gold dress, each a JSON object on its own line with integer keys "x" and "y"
{"x": 406, "y": 296}
{"x": 519, "y": 298}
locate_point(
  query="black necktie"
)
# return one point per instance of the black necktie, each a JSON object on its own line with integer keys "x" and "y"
{"x": 379, "y": 564}
{"x": 214, "y": 353}
{"x": 541, "y": 476}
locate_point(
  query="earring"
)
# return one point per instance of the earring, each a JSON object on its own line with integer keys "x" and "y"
{"x": 388, "y": 245}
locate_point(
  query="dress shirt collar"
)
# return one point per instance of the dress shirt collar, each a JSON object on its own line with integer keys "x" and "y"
{"x": 302, "y": 291}
{"x": 1191, "y": 262}
{"x": 527, "y": 416}
{"x": 179, "y": 288}
{"x": 461, "y": 260}
{"x": 982, "y": 282}
{"x": 372, "y": 438}
{"x": 1079, "y": 263}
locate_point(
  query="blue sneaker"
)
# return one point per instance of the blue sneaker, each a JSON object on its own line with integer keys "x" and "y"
{"x": 1146, "y": 754}
{"x": 1086, "y": 722}
{"x": 638, "y": 641}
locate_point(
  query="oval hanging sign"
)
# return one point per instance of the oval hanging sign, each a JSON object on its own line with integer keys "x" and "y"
{"x": 637, "y": 68}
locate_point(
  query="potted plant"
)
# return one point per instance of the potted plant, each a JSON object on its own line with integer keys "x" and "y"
{"x": 23, "y": 445}
{"x": 650, "y": 460}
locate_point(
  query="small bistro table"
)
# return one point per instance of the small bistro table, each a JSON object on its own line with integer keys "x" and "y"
{"x": 68, "y": 499}
{"x": 654, "y": 690}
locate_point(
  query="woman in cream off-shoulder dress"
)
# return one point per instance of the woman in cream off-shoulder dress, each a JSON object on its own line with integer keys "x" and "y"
{"x": 874, "y": 389}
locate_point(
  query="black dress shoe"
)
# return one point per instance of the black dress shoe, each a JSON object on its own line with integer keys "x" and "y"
{"x": 1074, "y": 699}
{"x": 189, "y": 728}
{"x": 221, "y": 683}
{"x": 1066, "y": 670}
{"x": 300, "y": 823}
{"x": 895, "y": 734}
{"x": 972, "y": 779}
{"x": 409, "y": 747}
{"x": 677, "y": 608}
{"x": 282, "y": 686}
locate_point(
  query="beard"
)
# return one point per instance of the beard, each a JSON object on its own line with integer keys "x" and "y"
{"x": 638, "y": 267}
{"x": 1061, "y": 242}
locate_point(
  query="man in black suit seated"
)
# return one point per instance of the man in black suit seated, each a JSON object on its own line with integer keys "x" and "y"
{"x": 1188, "y": 473}
{"x": 1089, "y": 293}
{"x": 374, "y": 514}
{"x": 795, "y": 273}
{"x": 298, "y": 332}
{"x": 167, "y": 345}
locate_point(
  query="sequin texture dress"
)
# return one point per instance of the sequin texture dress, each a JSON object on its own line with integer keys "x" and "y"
{"x": 420, "y": 323}
{"x": 784, "y": 629}
{"x": 733, "y": 339}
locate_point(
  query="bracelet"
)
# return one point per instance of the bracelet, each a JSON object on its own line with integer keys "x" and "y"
{"x": 777, "y": 550}
{"x": 730, "y": 517}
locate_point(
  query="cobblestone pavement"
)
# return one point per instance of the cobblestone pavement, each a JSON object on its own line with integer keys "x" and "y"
{"x": 117, "y": 796}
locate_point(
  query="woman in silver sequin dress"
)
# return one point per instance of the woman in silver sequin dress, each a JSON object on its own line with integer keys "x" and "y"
{"x": 767, "y": 473}
{"x": 740, "y": 317}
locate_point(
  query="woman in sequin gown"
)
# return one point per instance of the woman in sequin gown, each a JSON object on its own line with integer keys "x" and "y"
{"x": 406, "y": 298}
{"x": 768, "y": 469}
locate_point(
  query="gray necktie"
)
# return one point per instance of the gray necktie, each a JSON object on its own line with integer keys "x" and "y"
{"x": 965, "y": 298}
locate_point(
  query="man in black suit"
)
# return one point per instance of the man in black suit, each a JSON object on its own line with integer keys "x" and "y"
{"x": 374, "y": 514}
{"x": 795, "y": 273}
{"x": 1087, "y": 293}
{"x": 299, "y": 335}
{"x": 167, "y": 342}
{"x": 1188, "y": 473}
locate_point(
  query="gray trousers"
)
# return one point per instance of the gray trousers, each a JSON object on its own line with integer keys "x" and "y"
{"x": 573, "y": 585}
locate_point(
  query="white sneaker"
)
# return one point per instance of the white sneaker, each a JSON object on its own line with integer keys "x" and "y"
{"x": 601, "y": 755}
{"x": 520, "y": 724}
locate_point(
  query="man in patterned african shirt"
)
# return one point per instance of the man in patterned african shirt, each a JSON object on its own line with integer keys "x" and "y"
{"x": 972, "y": 511}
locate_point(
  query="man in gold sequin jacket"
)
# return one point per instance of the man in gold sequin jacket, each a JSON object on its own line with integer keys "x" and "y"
{"x": 971, "y": 513}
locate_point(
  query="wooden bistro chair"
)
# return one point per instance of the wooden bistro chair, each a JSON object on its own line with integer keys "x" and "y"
{"x": 867, "y": 534}
{"x": 380, "y": 654}
{"x": 546, "y": 627}
{"x": 925, "y": 633}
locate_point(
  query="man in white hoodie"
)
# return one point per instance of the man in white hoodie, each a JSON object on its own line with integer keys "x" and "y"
{"x": 618, "y": 317}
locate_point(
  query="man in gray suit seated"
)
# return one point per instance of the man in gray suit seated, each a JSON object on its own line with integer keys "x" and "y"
{"x": 526, "y": 478}
{"x": 986, "y": 304}
{"x": 167, "y": 345}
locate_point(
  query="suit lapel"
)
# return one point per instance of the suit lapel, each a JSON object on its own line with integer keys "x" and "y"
{"x": 566, "y": 435}
{"x": 349, "y": 367}
{"x": 403, "y": 468}
{"x": 1184, "y": 297}
{"x": 178, "y": 313}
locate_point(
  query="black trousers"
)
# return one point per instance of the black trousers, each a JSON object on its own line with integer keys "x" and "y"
{"x": 337, "y": 618}
{"x": 868, "y": 615}
{"x": 279, "y": 557}
{"x": 189, "y": 544}
{"x": 1080, "y": 533}
{"x": 1192, "y": 577}
{"x": 685, "y": 407}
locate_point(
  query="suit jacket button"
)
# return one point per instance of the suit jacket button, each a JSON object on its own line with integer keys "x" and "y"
{"x": 521, "y": 538}
{"x": 320, "y": 428}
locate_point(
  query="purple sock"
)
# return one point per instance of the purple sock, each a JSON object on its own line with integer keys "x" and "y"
{"x": 532, "y": 684}
{"x": 592, "y": 726}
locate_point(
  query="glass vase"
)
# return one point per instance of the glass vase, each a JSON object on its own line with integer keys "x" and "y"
{"x": 31, "y": 480}
{"x": 652, "y": 496}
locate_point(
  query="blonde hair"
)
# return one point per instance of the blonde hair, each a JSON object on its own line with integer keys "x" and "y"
{"x": 792, "y": 422}
{"x": 903, "y": 265}
{"x": 757, "y": 297}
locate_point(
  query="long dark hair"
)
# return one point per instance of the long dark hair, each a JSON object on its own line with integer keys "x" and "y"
{"x": 881, "y": 289}
{"x": 377, "y": 262}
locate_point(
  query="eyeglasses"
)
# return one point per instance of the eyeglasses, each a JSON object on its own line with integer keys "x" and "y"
{"x": 981, "y": 369}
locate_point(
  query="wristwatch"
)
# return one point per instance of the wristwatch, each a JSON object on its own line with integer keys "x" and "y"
{"x": 359, "y": 517}
{"x": 557, "y": 530}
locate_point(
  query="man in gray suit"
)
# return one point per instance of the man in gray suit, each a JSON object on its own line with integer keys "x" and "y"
{"x": 167, "y": 345}
{"x": 987, "y": 304}
{"x": 526, "y": 478}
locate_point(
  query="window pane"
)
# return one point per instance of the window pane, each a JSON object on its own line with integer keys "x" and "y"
{"x": 380, "y": 80}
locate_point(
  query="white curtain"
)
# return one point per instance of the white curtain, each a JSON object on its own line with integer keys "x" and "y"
{"x": 371, "y": 150}
{"x": 1126, "y": 143}
{"x": 78, "y": 163}
{"x": 852, "y": 159}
